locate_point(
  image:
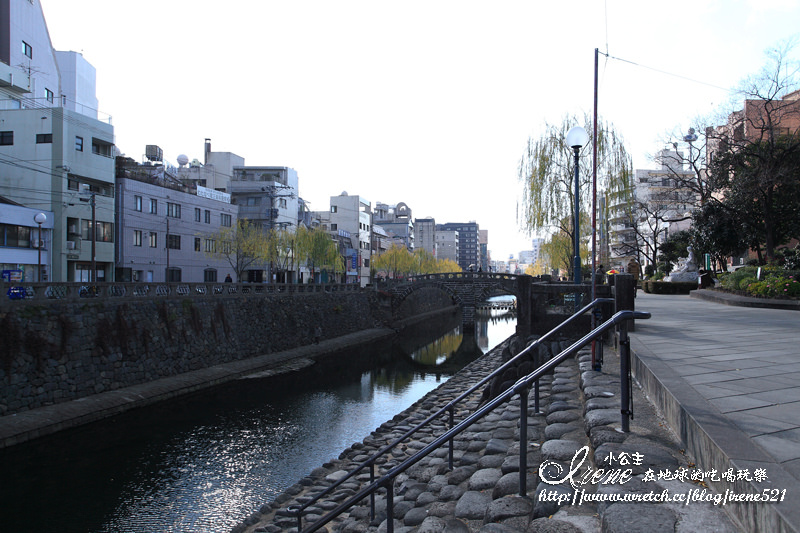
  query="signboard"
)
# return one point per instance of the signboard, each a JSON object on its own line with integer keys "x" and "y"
{"x": 354, "y": 262}
{"x": 212, "y": 194}
{"x": 12, "y": 275}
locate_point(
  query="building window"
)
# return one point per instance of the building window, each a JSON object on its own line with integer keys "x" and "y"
{"x": 16, "y": 236}
{"x": 197, "y": 214}
{"x": 6, "y": 138}
{"x": 105, "y": 231}
{"x": 334, "y": 227}
{"x": 78, "y": 144}
{"x": 27, "y": 50}
{"x": 173, "y": 275}
{"x": 44, "y": 138}
{"x": 137, "y": 237}
{"x": 333, "y": 208}
{"x": 210, "y": 275}
{"x": 207, "y": 216}
{"x": 173, "y": 242}
{"x": 153, "y": 239}
{"x": 49, "y": 95}
{"x": 153, "y": 206}
{"x": 173, "y": 210}
{"x": 282, "y": 203}
{"x": 137, "y": 203}
{"x": 225, "y": 220}
{"x": 197, "y": 244}
{"x": 253, "y": 201}
{"x": 210, "y": 248}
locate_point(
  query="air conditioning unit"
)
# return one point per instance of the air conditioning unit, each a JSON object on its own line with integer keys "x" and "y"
{"x": 70, "y": 245}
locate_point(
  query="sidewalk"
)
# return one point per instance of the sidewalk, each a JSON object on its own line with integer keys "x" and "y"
{"x": 727, "y": 379}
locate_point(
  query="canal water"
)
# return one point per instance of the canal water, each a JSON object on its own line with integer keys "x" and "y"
{"x": 206, "y": 462}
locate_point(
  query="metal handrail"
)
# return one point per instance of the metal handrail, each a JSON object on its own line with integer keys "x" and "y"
{"x": 450, "y": 408}
{"x": 523, "y": 384}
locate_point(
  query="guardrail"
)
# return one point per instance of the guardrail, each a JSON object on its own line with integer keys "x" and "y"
{"x": 521, "y": 387}
{"x": 48, "y": 292}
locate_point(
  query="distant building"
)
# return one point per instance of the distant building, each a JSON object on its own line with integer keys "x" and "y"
{"x": 483, "y": 249}
{"x": 351, "y": 216}
{"x": 447, "y": 245}
{"x": 214, "y": 172}
{"x": 468, "y": 235}
{"x": 425, "y": 234}
{"x": 398, "y": 223}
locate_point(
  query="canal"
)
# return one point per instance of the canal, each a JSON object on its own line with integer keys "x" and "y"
{"x": 206, "y": 462}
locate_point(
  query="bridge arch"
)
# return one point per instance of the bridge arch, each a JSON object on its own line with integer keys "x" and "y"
{"x": 468, "y": 289}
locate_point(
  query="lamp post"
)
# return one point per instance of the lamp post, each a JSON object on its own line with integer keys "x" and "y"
{"x": 39, "y": 218}
{"x": 577, "y": 139}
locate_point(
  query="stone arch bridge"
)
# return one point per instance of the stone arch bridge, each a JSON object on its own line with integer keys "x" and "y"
{"x": 467, "y": 289}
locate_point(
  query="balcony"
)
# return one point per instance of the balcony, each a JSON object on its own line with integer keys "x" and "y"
{"x": 14, "y": 79}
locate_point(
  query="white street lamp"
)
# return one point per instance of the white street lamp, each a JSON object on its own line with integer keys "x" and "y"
{"x": 39, "y": 218}
{"x": 577, "y": 138}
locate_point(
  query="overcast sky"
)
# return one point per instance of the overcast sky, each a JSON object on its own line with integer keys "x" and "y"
{"x": 429, "y": 102}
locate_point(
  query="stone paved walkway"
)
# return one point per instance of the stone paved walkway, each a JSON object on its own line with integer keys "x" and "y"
{"x": 580, "y": 408}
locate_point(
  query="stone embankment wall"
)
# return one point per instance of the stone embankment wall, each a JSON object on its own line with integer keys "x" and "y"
{"x": 63, "y": 351}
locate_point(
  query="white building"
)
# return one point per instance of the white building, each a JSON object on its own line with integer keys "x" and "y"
{"x": 353, "y": 214}
{"x": 56, "y": 155}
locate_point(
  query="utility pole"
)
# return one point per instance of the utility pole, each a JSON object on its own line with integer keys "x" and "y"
{"x": 93, "y": 273}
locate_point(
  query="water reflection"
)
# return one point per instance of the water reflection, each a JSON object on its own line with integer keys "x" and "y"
{"x": 204, "y": 463}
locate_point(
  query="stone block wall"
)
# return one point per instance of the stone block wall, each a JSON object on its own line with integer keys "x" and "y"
{"x": 62, "y": 351}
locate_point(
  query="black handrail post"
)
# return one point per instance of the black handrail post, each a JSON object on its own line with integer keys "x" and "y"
{"x": 372, "y": 495}
{"x": 523, "y": 440}
{"x": 624, "y": 375}
{"x": 390, "y": 506}
{"x": 451, "y": 409}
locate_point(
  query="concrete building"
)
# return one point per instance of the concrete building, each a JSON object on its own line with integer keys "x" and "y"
{"x": 483, "y": 249}
{"x": 662, "y": 207}
{"x": 56, "y": 151}
{"x": 468, "y": 248}
{"x": 165, "y": 230}
{"x": 214, "y": 172}
{"x": 351, "y": 217}
{"x": 398, "y": 223}
{"x": 425, "y": 234}
{"x": 26, "y": 245}
{"x": 266, "y": 195}
{"x": 447, "y": 245}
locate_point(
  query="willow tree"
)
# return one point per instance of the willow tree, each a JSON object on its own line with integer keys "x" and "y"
{"x": 242, "y": 245}
{"x": 547, "y": 168}
{"x": 317, "y": 249}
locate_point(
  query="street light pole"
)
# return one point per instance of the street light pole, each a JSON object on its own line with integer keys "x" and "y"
{"x": 39, "y": 218}
{"x": 577, "y": 139}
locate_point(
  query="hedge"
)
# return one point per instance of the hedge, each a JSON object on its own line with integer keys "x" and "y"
{"x": 669, "y": 287}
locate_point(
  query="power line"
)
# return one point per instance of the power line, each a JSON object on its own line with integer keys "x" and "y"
{"x": 660, "y": 71}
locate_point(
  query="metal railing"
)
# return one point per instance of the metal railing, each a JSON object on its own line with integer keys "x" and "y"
{"x": 522, "y": 387}
{"x": 41, "y": 292}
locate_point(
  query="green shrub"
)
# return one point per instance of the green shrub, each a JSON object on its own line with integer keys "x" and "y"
{"x": 775, "y": 286}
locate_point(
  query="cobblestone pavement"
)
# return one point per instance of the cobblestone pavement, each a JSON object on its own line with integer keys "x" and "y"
{"x": 579, "y": 419}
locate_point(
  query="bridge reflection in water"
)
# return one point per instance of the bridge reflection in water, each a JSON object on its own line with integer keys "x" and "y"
{"x": 206, "y": 462}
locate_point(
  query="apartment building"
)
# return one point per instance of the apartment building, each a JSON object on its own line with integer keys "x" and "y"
{"x": 56, "y": 150}
{"x": 166, "y": 230}
{"x": 469, "y": 256}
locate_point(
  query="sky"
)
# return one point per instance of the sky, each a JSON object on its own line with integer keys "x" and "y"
{"x": 429, "y": 102}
